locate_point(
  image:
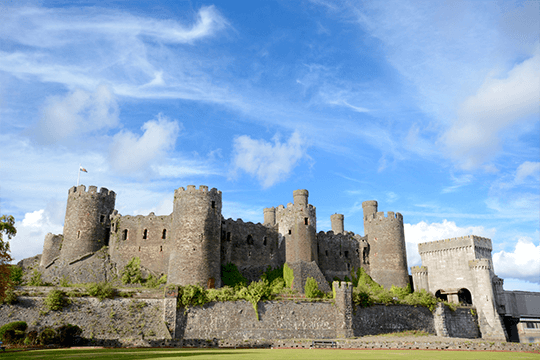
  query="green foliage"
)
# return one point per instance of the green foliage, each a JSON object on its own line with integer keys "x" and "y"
{"x": 153, "y": 282}
{"x": 311, "y": 289}
{"x": 64, "y": 281}
{"x": 66, "y": 334}
{"x": 231, "y": 276}
{"x": 9, "y": 297}
{"x": 191, "y": 295}
{"x": 56, "y": 300}
{"x": 16, "y": 274}
{"x": 288, "y": 276}
{"x": 255, "y": 292}
{"x": 31, "y": 338}
{"x": 35, "y": 279}
{"x": 401, "y": 292}
{"x": 132, "y": 273}
{"x": 277, "y": 285}
{"x": 226, "y": 293}
{"x": 47, "y": 336}
{"x": 16, "y": 325}
{"x": 273, "y": 274}
{"x": 421, "y": 298}
{"x": 12, "y": 336}
{"x": 362, "y": 298}
{"x": 101, "y": 290}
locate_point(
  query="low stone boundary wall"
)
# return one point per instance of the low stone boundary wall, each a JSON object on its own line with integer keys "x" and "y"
{"x": 381, "y": 319}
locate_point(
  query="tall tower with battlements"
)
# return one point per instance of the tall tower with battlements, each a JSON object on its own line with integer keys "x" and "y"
{"x": 386, "y": 238}
{"x": 196, "y": 231}
{"x": 87, "y": 224}
{"x": 297, "y": 223}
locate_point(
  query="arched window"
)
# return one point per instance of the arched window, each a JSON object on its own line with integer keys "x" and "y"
{"x": 440, "y": 295}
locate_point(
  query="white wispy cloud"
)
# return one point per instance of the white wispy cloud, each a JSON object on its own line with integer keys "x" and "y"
{"x": 76, "y": 114}
{"x": 269, "y": 162}
{"x": 458, "y": 182}
{"x": 500, "y": 103}
{"x": 528, "y": 169}
{"x": 131, "y": 154}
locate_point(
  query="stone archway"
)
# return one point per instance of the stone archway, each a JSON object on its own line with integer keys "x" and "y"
{"x": 464, "y": 296}
{"x": 441, "y": 295}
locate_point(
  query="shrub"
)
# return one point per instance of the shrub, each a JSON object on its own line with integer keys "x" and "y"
{"x": 288, "y": 276}
{"x": 68, "y": 333}
{"x": 132, "y": 272}
{"x": 226, "y": 293}
{"x": 47, "y": 336}
{"x": 35, "y": 279}
{"x": 401, "y": 292}
{"x": 16, "y": 275}
{"x": 101, "y": 290}
{"x": 311, "y": 289}
{"x": 421, "y": 298}
{"x": 362, "y": 298}
{"x": 9, "y": 297}
{"x": 255, "y": 292}
{"x": 64, "y": 281}
{"x": 277, "y": 285}
{"x": 231, "y": 276}
{"x": 31, "y": 338}
{"x": 273, "y": 274}
{"x": 191, "y": 295}
{"x": 56, "y": 300}
{"x": 16, "y": 325}
{"x": 153, "y": 282}
{"x": 12, "y": 336}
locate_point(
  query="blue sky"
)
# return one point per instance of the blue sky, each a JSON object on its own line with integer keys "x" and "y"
{"x": 431, "y": 108}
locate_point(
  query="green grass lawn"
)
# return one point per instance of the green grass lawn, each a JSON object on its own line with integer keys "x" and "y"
{"x": 202, "y": 354}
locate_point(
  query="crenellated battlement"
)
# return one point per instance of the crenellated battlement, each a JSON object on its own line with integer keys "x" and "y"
{"x": 81, "y": 191}
{"x": 467, "y": 241}
{"x": 192, "y": 189}
{"x": 480, "y": 264}
{"x": 379, "y": 216}
{"x": 419, "y": 270}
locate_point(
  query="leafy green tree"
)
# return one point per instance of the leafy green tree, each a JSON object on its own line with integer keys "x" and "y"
{"x": 7, "y": 228}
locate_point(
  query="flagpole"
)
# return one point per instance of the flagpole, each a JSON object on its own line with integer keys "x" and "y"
{"x": 79, "y": 175}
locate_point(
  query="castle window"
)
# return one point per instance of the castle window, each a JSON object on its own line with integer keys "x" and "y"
{"x": 160, "y": 248}
{"x": 250, "y": 239}
{"x": 124, "y": 234}
{"x": 228, "y": 236}
{"x": 306, "y": 221}
{"x": 249, "y": 254}
{"x": 326, "y": 252}
{"x": 213, "y": 204}
{"x": 346, "y": 254}
{"x": 290, "y": 231}
{"x": 145, "y": 234}
{"x": 532, "y": 325}
{"x": 78, "y": 234}
{"x": 264, "y": 241}
{"x": 164, "y": 235}
{"x": 348, "y": 266}
{"x": 102, "y": 219}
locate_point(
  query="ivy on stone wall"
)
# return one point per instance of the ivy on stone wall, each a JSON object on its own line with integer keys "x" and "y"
{"x": 288, "y": 276}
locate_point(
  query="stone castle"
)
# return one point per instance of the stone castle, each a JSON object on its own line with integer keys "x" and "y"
{"x": 192, "y": 243}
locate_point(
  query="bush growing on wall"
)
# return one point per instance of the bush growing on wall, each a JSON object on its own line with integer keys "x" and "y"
{"x": 132, "y": 273}
{"x": 311, "y": 289}
{"x": 101, "y": 290}
{"x": 255, "y": 292}
{"x": 288, "y": 276}
{"x": 16, "y": 325}
{"x": 231, "y": 276}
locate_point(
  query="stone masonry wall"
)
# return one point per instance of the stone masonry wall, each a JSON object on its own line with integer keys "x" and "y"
{"x": 380, "y": 319}
{"x": 147, "y": 237}
{"x": 339, "y": 254}
{"x": 251, "y": 247}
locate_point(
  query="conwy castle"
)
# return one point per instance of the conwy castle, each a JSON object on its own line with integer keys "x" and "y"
{"x": 192, "y": 243}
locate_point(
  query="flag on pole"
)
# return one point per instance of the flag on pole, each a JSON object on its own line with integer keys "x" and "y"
{"x": 82, "y": 169}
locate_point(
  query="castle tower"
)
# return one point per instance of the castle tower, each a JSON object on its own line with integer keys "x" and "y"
{"x": 420, "y": 278}
{"x": 337, "y": 223}
{"x": 298, "y": 225}
{"x": 87, "y": 224}
{"x": 270, "y": 216}
{"x": 386, "y": 238}
{"x": 196, "y": 231}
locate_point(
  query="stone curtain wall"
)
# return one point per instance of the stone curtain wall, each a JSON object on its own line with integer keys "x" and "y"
{"x": 278, "y": 320}
{"x": 381, "y": 319}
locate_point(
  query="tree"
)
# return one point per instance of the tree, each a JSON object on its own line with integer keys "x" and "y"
{"x": 7, "y": 227}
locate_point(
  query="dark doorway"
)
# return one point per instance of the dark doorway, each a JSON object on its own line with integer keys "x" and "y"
{"x": 464, "y": 297}
{"x": 107, "y": 236}
{"x": 441, "y": 296}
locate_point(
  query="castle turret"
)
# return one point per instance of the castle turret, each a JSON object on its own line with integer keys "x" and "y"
{"x": 270, "y": 216}
{"x": 87, "y": 224}
{"x": 386, "y": 238}
{"x": 337, "y": 223}
{"x": 298, "y": 225}
{"x": 196, "y": 231}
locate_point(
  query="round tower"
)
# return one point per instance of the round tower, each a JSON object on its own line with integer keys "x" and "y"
{"x": 87, "y": 224}
{"x": 196, "y": 231}
{"x": 270, "y": 216}
{"x": 386, "y": 239}
{"x": 337, "y": 223}
{"x": 299, "y": 225}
